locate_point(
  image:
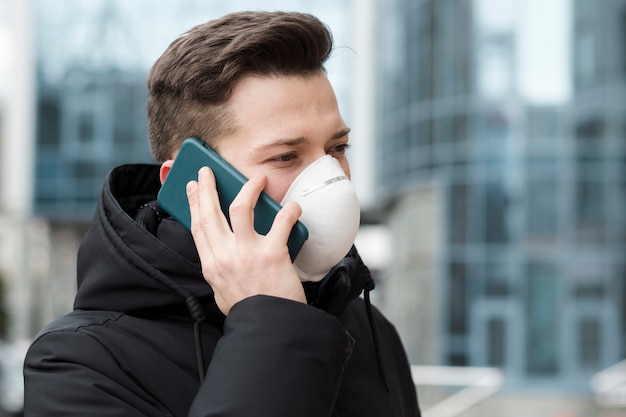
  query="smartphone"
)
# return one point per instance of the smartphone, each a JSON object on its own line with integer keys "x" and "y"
{"x": 193, "y": 155}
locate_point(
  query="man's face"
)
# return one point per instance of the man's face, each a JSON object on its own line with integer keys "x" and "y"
{"x": 283, "y": 124}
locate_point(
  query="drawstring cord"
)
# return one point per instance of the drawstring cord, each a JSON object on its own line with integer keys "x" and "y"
{"x": 199, "y": 358}
{"x": 197, "y": 312}
{"x": 149, "y": 216}
{"x": 370, "y": 317}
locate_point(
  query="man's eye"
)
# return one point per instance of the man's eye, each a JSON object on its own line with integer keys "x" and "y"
{"x": 339, "y": 149}
{"x": 285, "y": 157}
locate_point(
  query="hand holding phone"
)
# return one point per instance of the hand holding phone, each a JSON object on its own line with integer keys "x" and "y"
{"x": 192, "y": 156}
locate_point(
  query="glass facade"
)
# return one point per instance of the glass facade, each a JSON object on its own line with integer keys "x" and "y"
{"x": 84, "y": 129}
{"x": 532, "y": 267}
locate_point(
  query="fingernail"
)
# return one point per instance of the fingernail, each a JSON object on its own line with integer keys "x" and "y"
{"x": 191, "y": 187}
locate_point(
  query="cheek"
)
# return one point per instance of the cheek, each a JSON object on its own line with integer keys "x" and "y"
{"x": 277, "y": 186}
{"x": 346, "y": 167}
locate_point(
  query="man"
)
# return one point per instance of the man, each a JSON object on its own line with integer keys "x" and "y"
{"x": 149, "y": 336}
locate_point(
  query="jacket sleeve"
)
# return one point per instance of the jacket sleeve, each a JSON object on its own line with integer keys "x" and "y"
{"x": 69, "y": 373}
{"x": 276, "y": 358}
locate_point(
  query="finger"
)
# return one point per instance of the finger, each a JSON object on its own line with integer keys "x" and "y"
{"x": 209, "y": 213}
{"x": 202, "y": 197}
{"x": 241, "y": 209}
{"x": 202, "y": 245}
{"x": 192, "y": 199}
{"x": 284, "y": 221}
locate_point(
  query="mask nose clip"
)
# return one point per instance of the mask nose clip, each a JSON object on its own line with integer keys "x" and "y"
{"x": 324, "y": 184}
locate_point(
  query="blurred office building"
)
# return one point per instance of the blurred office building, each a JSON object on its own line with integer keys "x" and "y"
{"x": 491, "y": 167}
{"x": 502, "y": 174}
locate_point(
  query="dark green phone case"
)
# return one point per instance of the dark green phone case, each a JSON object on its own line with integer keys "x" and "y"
{"x": 192, "y": 156}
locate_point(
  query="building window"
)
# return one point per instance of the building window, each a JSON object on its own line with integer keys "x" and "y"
{"x": 623, "y": 42}
{"x": 585, "y": 55}
{"x": 496, "y": 342}
{"x": 458, "y": 213}
{"x": 590, "y": 206}
{"x": 457, "y": 311}
{"x": 588, "y": 274}
{"x": 542, "y": 311}
{"x": 622, "y": 308}
{"x": 542, "y": 208}
{"x": 496, "y": 211}
{"x": 457, "y": 302}
{"x": 86, "y": 127}
{"x": 589, "y": 342}
{"x": 588, "y": 132}
{"x": 496, "y": 280}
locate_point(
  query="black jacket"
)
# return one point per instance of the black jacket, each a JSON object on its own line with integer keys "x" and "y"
{"x": 145, "y": 328}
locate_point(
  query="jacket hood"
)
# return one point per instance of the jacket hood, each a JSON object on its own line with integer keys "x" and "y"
{"x": 124, "y": 267}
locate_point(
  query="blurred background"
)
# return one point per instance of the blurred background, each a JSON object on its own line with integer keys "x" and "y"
{"x": 489, "y": 154}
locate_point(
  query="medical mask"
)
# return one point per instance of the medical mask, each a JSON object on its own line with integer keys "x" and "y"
{"x": 331, "y": 213}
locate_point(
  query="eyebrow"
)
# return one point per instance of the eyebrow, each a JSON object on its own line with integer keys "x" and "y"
{"x": 298, "y": 140}
{"x": 343, "y": 132}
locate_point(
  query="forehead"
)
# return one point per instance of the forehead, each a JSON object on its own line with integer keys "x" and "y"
{"x": 284, "y": 107}
{"x": 277, "y": 89}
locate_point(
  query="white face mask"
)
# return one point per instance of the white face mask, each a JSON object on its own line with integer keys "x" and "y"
{"x": 331, "y": 213}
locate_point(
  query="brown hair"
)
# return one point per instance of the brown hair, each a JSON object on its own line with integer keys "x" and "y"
{"x": 190, "y": 84}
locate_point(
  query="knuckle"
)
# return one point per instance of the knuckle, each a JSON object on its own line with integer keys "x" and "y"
{"x": 285, "y": 217}
{"x": 236, "y": 208}
{"x": 208, "y": 273}
{"x": 204, "y": 222}
{"x": 268, "y": 254}
{"x": 222, "y": 266}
